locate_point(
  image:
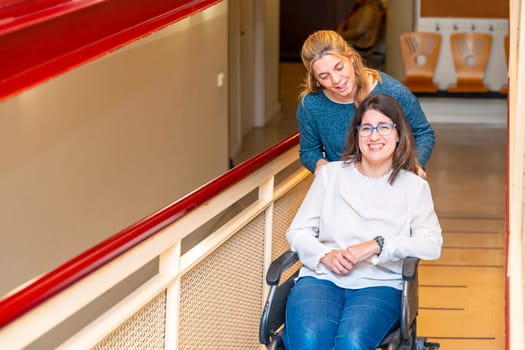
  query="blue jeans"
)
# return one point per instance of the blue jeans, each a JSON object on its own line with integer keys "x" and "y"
{"x": 323, "y": 316}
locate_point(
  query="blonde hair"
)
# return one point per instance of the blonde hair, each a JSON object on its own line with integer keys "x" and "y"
{"x": 329, "y": 42}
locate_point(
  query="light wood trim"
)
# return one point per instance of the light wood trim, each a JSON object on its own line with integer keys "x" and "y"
{"x": 516, "y": 182}
{"x": 465, "y": 8}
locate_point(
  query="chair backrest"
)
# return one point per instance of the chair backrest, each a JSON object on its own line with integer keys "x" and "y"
{"x": 420, "y": 51}
{"x": 470, "y": 52}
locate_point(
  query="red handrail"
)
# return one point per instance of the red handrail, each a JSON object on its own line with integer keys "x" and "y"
{"x": 45, "y": 287}
{"x": 40, "y": 39}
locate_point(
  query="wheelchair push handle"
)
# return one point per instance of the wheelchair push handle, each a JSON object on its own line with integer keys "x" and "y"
{"x": 410, "y": 268}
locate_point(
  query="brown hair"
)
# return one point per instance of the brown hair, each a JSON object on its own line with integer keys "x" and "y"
{"x": 404, "y": 156}
{"x": 324, "y": 42}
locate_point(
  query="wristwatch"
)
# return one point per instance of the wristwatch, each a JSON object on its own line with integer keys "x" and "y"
{"x": 380, "y": 240}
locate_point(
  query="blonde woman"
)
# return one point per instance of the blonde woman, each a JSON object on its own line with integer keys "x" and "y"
{"x": 336, "y": 82}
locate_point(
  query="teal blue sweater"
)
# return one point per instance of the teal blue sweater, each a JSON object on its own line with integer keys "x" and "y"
{"x": 323, "y": 123}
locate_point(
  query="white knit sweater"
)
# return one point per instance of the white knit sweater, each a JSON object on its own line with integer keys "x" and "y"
{"x": 344, "y": 207}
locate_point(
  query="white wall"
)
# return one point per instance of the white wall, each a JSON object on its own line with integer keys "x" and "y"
{"x": 88, "y": 153}
{"x": 247, "y": 64}
{"x": 254, "y": 66}
{"x": 272, "y": 102}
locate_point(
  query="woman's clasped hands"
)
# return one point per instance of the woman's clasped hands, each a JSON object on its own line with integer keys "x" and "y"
{"x": 341, "y": 261}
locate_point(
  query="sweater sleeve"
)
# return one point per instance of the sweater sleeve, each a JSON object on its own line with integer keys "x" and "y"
{"x": 421, "y": 128}
{"x": 425, "y": 240}
{"x": 303, "y": 233}
{"x": 423, "y": 131}
{"x": 310, "y": 145}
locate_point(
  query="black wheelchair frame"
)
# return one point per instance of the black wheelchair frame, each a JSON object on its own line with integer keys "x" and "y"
{"x": 273, "y": 315}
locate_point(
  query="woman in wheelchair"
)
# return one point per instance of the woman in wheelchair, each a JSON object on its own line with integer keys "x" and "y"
{"x": 359, "y": 219}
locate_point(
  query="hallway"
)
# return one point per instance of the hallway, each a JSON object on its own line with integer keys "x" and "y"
{"x": 462, "y": 293}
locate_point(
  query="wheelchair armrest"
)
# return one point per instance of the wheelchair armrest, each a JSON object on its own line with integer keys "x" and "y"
{"x": 273, "y": 314}
{"x": 279, "y": 265}
{"x": 410, "y": 268}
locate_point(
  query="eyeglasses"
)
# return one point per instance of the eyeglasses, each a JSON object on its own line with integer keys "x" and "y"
{"x": 366, "y": 130}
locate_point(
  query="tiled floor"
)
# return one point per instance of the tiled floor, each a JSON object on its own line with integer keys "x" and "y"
{"x": 461, "y": 294}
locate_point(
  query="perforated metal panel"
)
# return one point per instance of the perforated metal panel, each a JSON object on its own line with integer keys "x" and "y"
{"x": 145, "y": 330}
{"x": 284, "y": 211}
{"x": 221, "y": 297}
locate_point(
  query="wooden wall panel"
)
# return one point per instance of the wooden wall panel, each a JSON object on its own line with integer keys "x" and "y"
{"x": 465, "y": 8}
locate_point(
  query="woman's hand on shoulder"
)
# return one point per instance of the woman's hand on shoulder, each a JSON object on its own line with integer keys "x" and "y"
{"x": 319, "y": 164}
{"x": 339, "y": 261}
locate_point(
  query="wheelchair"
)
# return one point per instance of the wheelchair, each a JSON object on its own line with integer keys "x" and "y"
{"x": 272, "y": 319}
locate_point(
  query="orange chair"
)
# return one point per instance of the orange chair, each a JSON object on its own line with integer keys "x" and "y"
{"x": 420, "y": 52}
{"x": 505, "y": 88}
{"x": 470, "y": 52}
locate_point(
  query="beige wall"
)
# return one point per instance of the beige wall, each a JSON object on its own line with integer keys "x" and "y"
{"x": 399, "y": 19}
{"x": 92, "y": 151}
{"x": 234, "y": 76}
